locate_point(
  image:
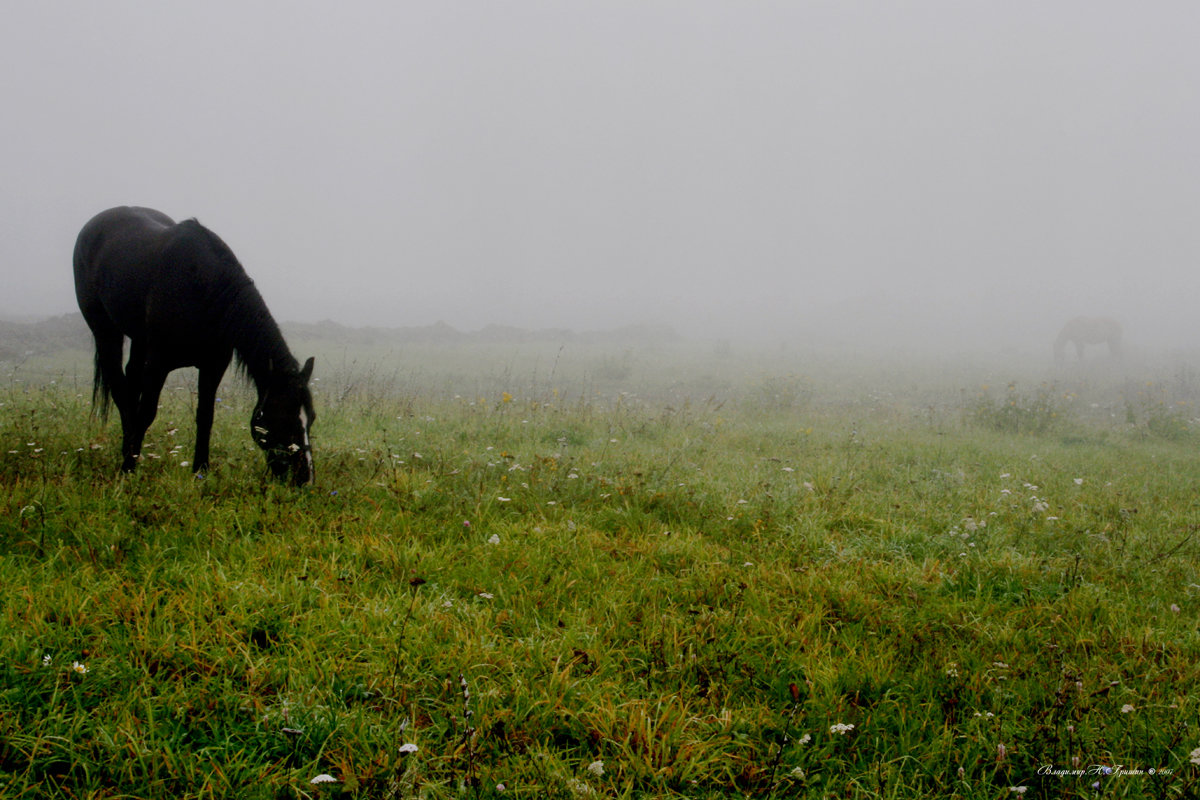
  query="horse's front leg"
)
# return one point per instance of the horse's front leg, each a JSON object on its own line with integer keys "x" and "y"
{"x": 206, "y": 399}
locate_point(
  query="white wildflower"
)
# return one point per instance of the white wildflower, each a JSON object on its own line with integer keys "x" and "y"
{"x": 494, "y": 539}
{"x": 596, "y": 768}
{"x": 579, "y": 788}
{"x": 324, "y": 778}
{"x": 408, "y": 747}
{"x": 1127, "y": 709}
{"x": 841, "y": 728}
{"x": 79, "y": 668}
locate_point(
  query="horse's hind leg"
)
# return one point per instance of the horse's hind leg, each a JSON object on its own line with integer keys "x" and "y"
{"x": 110, "y": 379}
{"x": 117, "y": 384}
{"x": 148, "y": 389}
{"x": 138, "y": 403}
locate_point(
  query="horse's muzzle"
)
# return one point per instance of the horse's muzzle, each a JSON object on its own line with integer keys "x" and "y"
{"x": 294, "y": 467}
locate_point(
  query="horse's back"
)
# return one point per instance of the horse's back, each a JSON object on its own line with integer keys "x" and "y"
{"x": 114, "y": 246}
{"x": 1093, "y": 330}
{"x": 140, "y": 275}
{"x": 124, "y": 229}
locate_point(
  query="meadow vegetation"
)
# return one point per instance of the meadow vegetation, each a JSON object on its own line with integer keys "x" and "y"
{"x": 540, "y": 571}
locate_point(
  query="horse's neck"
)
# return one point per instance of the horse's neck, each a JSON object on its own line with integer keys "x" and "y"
{"x": 256, "y": 338}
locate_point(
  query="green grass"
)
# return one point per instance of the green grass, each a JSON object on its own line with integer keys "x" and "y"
{"x": 688, "y": 571}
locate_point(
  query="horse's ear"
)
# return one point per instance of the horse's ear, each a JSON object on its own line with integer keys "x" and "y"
{"x": 306, "y": 372}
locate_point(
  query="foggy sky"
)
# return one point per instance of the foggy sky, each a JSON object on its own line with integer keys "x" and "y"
{"x": 959, "y": 169}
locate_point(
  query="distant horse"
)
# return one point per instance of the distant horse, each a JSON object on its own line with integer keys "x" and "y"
{"x": 1083, "y": 331}
{"x": 183, "y": 300}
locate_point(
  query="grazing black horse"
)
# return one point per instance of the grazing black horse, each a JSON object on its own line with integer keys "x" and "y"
{"x": 183, "y": 300}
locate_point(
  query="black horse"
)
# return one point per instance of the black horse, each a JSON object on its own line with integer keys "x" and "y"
{"x": 183, "y": 300}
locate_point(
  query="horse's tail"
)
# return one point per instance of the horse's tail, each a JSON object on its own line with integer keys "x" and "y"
{"x": 101, "y": 391}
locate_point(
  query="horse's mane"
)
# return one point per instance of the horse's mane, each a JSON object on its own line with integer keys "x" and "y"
{"x": 240, "y": 312}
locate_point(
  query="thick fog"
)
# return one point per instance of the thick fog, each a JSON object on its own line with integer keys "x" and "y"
{"x": 921, "y": 171}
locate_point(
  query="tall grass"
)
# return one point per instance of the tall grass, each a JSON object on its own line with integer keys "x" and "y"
{"x": 572, "y": 580}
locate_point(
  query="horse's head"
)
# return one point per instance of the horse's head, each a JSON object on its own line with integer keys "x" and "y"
{"x": 281, "y": 423}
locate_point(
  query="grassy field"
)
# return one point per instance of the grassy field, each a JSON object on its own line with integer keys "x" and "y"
{"x": 538, "y": 571}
